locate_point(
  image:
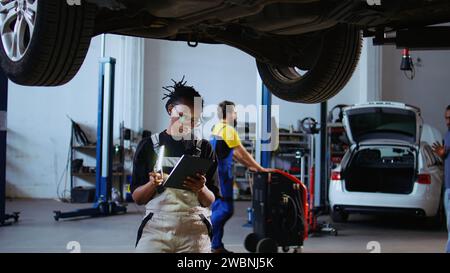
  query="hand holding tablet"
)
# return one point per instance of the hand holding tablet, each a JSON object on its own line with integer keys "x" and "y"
{"x": 187, "y": 169}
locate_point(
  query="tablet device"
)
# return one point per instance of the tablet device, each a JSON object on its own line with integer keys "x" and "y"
{"x": 187, "y": 166}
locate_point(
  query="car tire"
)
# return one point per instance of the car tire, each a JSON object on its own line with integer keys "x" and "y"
{"x": 333, "y": 68}
{"x": 267, "y": 245}
{"x": 54, "y": 38}
{"x": 339, "y": 216}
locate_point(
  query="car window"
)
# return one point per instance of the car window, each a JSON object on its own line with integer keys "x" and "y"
{"x": 390, "y": 123}
{"x": 386, "y": 155}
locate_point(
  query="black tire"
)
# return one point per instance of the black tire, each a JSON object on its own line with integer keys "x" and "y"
{"x": 251, "y": 242}
{"x": 267, "y": 245}
{"x": 337, "y": 60}
{"x": 57, "y": 47}
{"x": 339, "y": 217}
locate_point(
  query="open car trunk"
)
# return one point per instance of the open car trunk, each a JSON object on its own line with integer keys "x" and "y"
{"x": 381, "y": 170}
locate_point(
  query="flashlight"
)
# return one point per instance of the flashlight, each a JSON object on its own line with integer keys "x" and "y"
{"x": 159, "y": 162}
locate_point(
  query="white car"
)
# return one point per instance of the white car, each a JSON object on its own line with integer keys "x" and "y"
{"x": 389, "y": 167}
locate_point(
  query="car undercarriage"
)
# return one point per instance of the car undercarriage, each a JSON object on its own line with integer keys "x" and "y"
{"x": 305, "y": 50}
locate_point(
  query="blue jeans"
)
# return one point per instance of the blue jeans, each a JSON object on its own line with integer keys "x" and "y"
{"x": 447, "y": 209}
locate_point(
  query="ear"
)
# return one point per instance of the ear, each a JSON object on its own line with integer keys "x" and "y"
{"x": 169, "y": 109}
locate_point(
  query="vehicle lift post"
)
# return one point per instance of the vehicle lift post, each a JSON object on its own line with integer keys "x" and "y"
{"x": 266, "y": 119}
{"x": 4, "y": 218}
{"x": 320, "y": 177}
{"x": 103, "y": 205}
{"x": 265, "y": 155}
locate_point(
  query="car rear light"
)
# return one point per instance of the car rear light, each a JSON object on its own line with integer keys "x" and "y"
{"x": 335, "y": 175}
{"x": 424, "y": 179}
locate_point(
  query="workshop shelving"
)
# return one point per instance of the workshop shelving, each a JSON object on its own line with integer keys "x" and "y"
{"x": 292, "y": 145}
{"x": 84, "y": 174}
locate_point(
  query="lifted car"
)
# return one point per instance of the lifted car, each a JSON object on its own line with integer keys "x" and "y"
{"x": 305, "y": 50}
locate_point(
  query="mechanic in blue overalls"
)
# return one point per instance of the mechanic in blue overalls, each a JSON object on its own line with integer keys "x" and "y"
{"x": 443, "y": 150}
{"x": 227, "y": 145}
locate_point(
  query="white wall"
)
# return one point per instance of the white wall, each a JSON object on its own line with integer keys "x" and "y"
{"x": 429, "y": 90}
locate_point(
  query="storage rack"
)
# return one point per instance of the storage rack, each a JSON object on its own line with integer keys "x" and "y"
{"x": 89, "y": 151}
{"x": 292, "y": 145}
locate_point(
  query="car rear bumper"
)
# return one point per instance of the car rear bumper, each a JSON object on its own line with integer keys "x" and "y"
{"x": 380, "y": 210}
{"x": 422, "y": 201}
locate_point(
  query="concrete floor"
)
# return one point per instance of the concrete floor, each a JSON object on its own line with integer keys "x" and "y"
{"x": 38, "y": 232}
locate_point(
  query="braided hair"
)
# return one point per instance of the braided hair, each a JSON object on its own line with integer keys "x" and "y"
{"x": 180, "y": 91}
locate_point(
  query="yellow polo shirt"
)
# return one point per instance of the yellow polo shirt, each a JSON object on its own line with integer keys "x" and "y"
{"x": 227, "y": 133}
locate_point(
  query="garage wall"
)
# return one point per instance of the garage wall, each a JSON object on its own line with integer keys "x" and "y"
{"x": 429, "y": 90}
{"x": 39, "y": 130}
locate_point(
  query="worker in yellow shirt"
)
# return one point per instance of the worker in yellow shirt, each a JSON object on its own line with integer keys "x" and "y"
{"x": 227, "y": 146}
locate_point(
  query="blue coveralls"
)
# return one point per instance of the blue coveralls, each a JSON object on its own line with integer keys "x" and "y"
{"x": 222, "y": 209}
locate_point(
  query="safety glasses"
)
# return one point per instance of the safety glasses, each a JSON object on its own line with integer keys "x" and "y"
{"x": 186, "y": 118}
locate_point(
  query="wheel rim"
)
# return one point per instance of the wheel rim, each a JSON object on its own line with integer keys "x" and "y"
{"x": 17, "y": 22}
{"x": 288, "y": 74}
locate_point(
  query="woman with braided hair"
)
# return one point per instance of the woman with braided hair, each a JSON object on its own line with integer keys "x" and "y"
{"x": 176, "y": 220}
